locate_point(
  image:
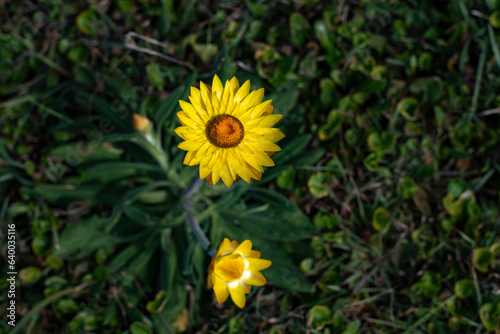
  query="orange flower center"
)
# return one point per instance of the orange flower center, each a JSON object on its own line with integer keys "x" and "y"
{"x": 225, "y": 131}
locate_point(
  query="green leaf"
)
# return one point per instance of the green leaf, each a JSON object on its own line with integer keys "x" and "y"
{"x": 276, "y": 219}
{"x": 140, "y": 328}
{"x": 205, "y": 51}
{"x": 286, "y": 179}
{"x": 67, "y": 306}
{"x": 493, "y": 4}
{"x": 86, "y": 236}
{"x": 171, "y": 104}
{"x": 490, "y": 316}
{"x": 381, "y": 218}
{"x": 86, "y": 22}
{"x": 30, "y": 274}
{"x": 285, "y": 98}
{"x": 453, "y": 205}
{"x": 317, "y": 184}
{"x": 319, "y": 316}
{"x": 291, "y": 149}
{"x": 482, "y": 258}
{"x": 457, "y": 187}
{"x": 155, "y": 76}
{"x": 464, "y": 288}
{"x": 128, "y": 199}
{"x": 429, "y": 285}
{"x": 118, "y": 117}
{"x": 429, "y": 88}
{"x": 119, "y": 170}
{"x": 158, "y": 303}
{"x": 381, "y": 142}
{"x": 328, "y": 130}
{"x": 408, "y": 107}
{"x": 63, "y": 194}
{"x": 299, "y": 29}
{"x": 40, "y": 244}
{"x": 407, "y": 187}
{"x": 371, "y": 161}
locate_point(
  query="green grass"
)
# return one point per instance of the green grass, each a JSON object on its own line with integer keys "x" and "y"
{"x": 380, "y": 216}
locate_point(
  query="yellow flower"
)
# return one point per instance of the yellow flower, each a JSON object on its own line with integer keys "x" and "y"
{"x": 228, "y": 131}
{"x": 234, "y": 269}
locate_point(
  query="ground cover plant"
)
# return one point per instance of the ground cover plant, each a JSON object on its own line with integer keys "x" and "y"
{"x": 380, "y": 214}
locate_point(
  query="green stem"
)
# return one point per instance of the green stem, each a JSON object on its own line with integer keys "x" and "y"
{"x": 155, "y": 149}
{"x": 193, "y": 223}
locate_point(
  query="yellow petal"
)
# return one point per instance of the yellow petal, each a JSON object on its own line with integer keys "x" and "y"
{"x": 269, "y": 134}
{"x": 215, "y": 104}
{"x": 225, "y": 245}
{"x": 237, "y": 294}
{"x": 243, "y": 91}
{"x": 204, "y": 171}
{"x": 269, "y": 120}
{"x": 217, "y": 86}
{"x": 254, "y": 173}
{"x": 189, "y": 110}
{"x": 231, "y": 105}
{"x": 234, "y": 245}
{"x": 254, "y": 278}
{"x": 225, "y": 94}
{"x": 216, "y": 171}
{"x": 253, "y": 161}
{"x": 199, "y": 106}
{"x": 234, "y": 84}
{"x": 195, "y": 95}
{"x": 257, "y": 264}
{"x": 252, "y": 99}
{"x": 189, "y": 157}
{"x": 221, "y": 290}
{"x": 244, "y": 248}
{"x": 259, "y": 109}
{"x": 189, "y": 145}
{"x": 230, "y": 269}
{"x": 206, "y": 95}
{"x": 264, "y": 160}
{"x": 185, "y": 120}
{"x": 253, "y": 254}
{"x": 226, "y": 176}
{"x": 246, "y": 287}
{"x": 211, "y": 280}
{"x": 266, "y": 146}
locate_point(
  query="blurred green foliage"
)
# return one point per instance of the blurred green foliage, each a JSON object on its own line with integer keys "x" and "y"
{"x": 381, "y": 215}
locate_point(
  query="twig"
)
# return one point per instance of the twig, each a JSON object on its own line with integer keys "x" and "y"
{"x": 479, "y": 14}
{"x": 157, "y": 54}
{"x": 489, "y": 112}
{"x": 147, "y": 39}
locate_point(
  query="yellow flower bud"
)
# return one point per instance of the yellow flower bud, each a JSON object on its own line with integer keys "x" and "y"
{"x": 141, "y": 124}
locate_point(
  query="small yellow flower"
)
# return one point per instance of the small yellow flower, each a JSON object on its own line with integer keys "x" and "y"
{"x": 228, "y": 131}
{"x": 234, "y": 269}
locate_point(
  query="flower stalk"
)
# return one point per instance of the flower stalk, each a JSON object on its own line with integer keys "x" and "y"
{"x": 193, "y": 223}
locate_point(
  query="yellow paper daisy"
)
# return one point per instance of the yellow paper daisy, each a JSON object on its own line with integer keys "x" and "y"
{"x": 234, "y": 269}
{"x": 228, "y": 131}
